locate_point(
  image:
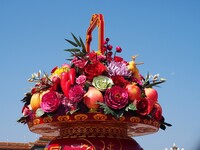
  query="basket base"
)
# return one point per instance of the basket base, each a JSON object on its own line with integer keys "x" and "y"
{"x": 93, "y": 143}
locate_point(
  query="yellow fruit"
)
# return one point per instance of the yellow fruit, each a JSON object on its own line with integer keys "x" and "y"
{"x": 36, "y": 100}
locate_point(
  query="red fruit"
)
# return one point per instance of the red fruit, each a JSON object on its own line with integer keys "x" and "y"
{"x": 65, "y": 83}
{"x": 157, "y": 112}
{"x": 110, "y": 47}
{"x": 152, "y": 94}
{"x": 118, "y": 49}
{"x": 92, "y": 97}
{"x": 107, "y": 39}
{"x": 134, "y": 92}
{"x": 56, "y": 83}
{"x": 72, "y": 75}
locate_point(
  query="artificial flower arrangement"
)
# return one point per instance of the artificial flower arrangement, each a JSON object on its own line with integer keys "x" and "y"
{"x": 94, "y": 82}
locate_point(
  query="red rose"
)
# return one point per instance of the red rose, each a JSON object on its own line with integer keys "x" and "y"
{"x": 94, "y": 69}
{"x": 120, "y": 81}
{"x": 92, "y": 56}
{"x": 118, "y": 59}
{"x": 116, "y": 97}
{"x": 144, "y": 106}
{"x": 157, "y": 112}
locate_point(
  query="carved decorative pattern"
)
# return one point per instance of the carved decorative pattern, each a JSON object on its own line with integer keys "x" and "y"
{"x": 93, "y": 125}
{"x": 36, "y": 121}
{"x": 81, "y": 117}
{"x": 47, "y": 119}
{"x": 101, "y": 117}
{"x": 63, "y": 118}
{"x": 135, "y": 119}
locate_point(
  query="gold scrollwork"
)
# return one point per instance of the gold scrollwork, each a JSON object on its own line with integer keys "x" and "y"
{"x": 100, "y": 117}
{"x": 36, "y": 121}
{"x": 56, "y": 148}
{"x": 146, "y": 121}
{"x": 63, "y": 118}
{"x": 156, "y": 124}
{"x": 122, "y": 118}
{"x": 81, "y": 117}
{"x": 47, "y": 119}
{"x": 135, "y": 119}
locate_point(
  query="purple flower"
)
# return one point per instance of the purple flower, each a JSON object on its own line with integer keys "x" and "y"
{"x": 116, "y": 97}
{"x": 76, "y": 93}
{"x": 50, "y": 102}
{"x": 118, "y": 68}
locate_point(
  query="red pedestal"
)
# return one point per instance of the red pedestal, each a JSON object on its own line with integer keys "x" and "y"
{"x": 93, "y": 143}
{"x": 93, "y": 131}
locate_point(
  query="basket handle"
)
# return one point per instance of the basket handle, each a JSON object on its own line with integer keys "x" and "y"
{"x": 97, "y": 20}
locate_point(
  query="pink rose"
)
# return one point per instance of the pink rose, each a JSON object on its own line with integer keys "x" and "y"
{"x": 81, "y": 79}
{"x": 143, "y": 106}
{"x": 50, "y": 101}
{"x": 26, "y": 110}
{"x": 116, "y": 97}
{"x": 79, "y": 62}
{"x": 76, "y": 93}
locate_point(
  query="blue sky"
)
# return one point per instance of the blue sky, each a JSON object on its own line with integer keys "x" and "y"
{"x": 165, "y": 34}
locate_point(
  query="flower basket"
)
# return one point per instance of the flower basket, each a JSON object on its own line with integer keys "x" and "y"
{"x": 97, "y": 102}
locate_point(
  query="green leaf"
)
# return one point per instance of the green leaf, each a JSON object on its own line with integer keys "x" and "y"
{"x": 72, "y": 43}
{"x": 72, "y": 50}
{"x": 69, "y": 59}
{"x": 72, "y": 111}
{"x": 39, "y": 112}
{"x": 83, "y": 46}
{"x": 150, "y": 85}
{"x": 108, "y": 110}
{"x": 77, "y": 41}
{"x": 162, "y": 126}
{"x": 131, "y": 106}
{"x": 27, "y": 98}
{"x": 22, "y": 120}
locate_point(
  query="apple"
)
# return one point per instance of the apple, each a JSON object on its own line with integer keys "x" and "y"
{"x": 92, "y": 97}
{"x": 134, "y": 92}
{"x": 152, "y": 94}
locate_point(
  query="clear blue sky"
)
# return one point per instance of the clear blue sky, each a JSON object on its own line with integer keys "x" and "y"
{"x": 165, "y": 34}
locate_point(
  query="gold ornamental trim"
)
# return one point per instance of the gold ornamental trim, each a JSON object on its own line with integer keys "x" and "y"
{"x": 135, "y": 119}
{"x": 36, "y": 121}
{"x": 81, "y": 131}
{"x": 93, "y": 125}
{"x": 63, "y": 118}
{"x": 81, "y": 117}
{"x": 47, "y": 119}
{"x": 156, "y": 124}
{"x": 100, "y": 117}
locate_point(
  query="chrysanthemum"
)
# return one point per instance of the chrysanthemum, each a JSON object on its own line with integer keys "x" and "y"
{"x": 118, "y": 69}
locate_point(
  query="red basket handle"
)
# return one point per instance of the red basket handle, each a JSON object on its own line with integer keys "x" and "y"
{"x": 97, "y": 20}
